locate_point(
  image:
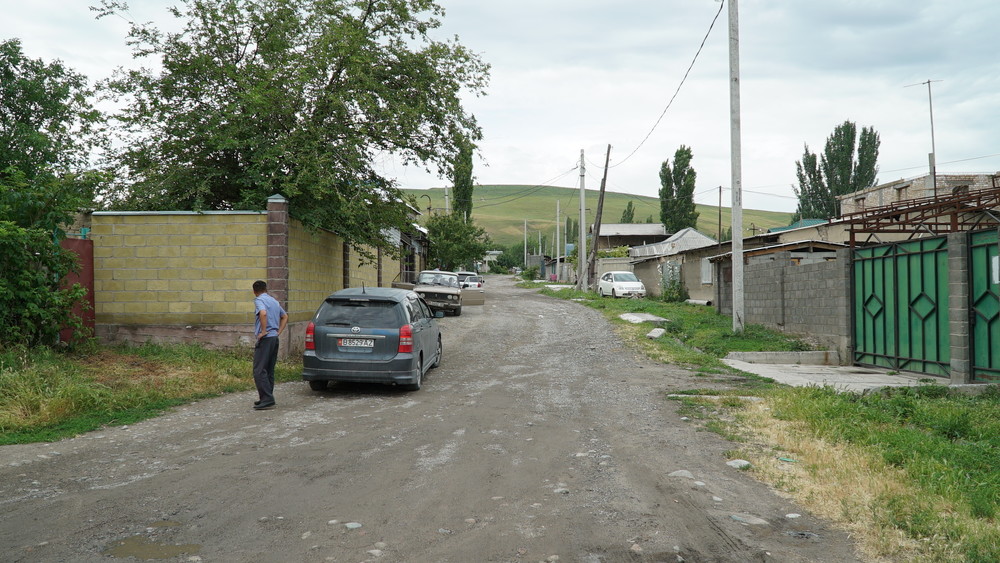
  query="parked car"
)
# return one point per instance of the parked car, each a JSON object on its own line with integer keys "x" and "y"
{"x": 371, "y": 335}
{"x": 620, "y": 284}
{"x": 472, "y": 288}
{"x": 440, "y": 290}
{"x": 469, "y": 279}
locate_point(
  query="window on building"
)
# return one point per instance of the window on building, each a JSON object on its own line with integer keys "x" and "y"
{"x": 706, "y": 271}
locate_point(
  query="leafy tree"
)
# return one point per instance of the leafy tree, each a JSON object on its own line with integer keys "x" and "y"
{"x": 463, "y": 181}
{"x": 677, "y": 209}
{"x": 628, "y": 215}
{"x": 455, "y": 243}
{"x": 297, "y": 97}
{"x": 511, "y": 257}
{"x": 849, "y": 163}
{"x": 48, "y": 129}
{"x": 33, "y": 304}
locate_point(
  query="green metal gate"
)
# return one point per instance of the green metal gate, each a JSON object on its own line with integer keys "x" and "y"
{"x": 901, "y": 306}
{"x": 984, "y": 306}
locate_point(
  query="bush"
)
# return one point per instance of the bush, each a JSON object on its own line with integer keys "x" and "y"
{"x": 33, "y": 305}
{"x": 674, "y": 291}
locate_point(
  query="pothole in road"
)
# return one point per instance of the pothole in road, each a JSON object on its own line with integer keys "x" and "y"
{"x": 141, "y": 547}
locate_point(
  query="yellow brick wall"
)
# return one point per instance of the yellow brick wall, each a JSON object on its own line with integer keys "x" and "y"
{"x": 177, "y": 268}
{"x": 315, "y": 269}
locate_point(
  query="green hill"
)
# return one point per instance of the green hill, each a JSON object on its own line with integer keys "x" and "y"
{"x": 503, "y": 209}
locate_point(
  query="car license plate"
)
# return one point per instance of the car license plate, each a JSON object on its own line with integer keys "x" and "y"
{"x": 357, "y": 342}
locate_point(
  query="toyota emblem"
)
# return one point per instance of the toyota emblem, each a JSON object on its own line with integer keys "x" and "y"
{"x": 356, "y": 329}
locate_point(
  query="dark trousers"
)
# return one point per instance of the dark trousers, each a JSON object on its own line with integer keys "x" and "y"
{"x": 265, "y": 356}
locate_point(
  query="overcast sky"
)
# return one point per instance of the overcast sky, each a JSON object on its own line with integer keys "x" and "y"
{"x": 581, "y": 74}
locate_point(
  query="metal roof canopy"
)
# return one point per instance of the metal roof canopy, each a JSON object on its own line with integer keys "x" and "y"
{"x": 810, "y": 245}
{"x": 960, "y": 211}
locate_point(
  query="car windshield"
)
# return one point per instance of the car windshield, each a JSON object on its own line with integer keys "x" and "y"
{"x": 361, "y": 313}
{"x": 434, "y": 278}
{"x": 465, "y": 277}
{"x": 626, "y": 277}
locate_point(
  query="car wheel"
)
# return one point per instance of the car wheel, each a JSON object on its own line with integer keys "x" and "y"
{"x": 458, "y": 311}
{"x": 440, "y": 352}
{"x": 415, "y": 386}
{"x": 317, "y": 385}
{"x": 613, "y": 296}
{"x": 600, "y": 291}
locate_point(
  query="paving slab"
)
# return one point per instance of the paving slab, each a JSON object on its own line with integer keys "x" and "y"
{"x": 842, "y": 378}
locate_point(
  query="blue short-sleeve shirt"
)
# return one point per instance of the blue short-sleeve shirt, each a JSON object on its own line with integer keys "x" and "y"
{"x": 265, "y": 302}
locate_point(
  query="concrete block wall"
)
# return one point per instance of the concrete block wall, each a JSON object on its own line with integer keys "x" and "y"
{"x": 315, "y": 270}
{"x": 176, "y": 276}
{"x": 810, "y": 300}
{"x": 187, "y": 276}
{"x": 817, "y": 302}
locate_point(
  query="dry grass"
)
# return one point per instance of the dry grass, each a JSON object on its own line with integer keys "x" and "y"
{"x": 840, "y": 483}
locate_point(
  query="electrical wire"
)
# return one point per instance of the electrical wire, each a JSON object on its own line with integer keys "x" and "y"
{"x": 530, "y": 191}
{"x": 679, "y": 86}
{"x": 940, "y": 163}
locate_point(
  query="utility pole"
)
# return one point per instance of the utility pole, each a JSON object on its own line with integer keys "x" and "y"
{"x": 581, "y": 252}
{"x": 525, "y": 244}
{"x": 597, "y": 219}
{"x": 557, "y": 252}
{"x": 447, "y": 206}
{"x": 932, "y": 157}
{"x": 736, "y": 163}
{"x": 720, "y": 215}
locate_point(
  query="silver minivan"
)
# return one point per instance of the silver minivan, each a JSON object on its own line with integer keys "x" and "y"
{"x": 372, "y": 335}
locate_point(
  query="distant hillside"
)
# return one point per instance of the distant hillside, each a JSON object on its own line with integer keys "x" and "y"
{"x": 502, "y": 210}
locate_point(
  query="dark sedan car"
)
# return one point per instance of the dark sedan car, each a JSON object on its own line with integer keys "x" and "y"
{"x": 371, "y": 335}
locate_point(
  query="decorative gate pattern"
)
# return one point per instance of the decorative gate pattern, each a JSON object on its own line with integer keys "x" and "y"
{"x": 984, "y": 306}
{"x": 901, "y": 306}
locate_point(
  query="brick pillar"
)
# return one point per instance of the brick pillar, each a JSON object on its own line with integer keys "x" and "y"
{"x": 347, "y": 266}
{"x": 958, "y": 307}
{"x": 277, "y": 248}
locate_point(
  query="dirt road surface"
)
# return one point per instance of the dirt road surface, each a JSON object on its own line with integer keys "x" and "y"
{"x": 540, "y": 438}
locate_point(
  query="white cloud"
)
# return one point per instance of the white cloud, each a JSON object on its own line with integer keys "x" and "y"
{"x": 579, "y": 74}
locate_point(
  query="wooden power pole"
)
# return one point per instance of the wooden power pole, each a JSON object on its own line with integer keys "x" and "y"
{"x": 597, "y": 221}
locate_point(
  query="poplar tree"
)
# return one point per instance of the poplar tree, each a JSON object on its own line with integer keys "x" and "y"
{"x": 849, "y": 163}
{"x": 677, "y": 209}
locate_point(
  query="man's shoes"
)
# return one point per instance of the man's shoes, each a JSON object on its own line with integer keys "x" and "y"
{"x": 257, "y": 402}
{"x": 258, "y": 406}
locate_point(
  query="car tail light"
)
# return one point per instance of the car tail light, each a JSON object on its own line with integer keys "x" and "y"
{"x": 311, "y": 337}
{"x": 405, "y": 339}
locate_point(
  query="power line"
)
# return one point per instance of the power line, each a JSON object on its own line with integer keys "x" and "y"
{"x": 672, "y": 98}
{"x": 940, "y": 163}
{"x": 530, "y": 191}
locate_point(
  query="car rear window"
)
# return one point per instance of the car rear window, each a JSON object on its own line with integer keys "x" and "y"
{"x": 362, "y": 313}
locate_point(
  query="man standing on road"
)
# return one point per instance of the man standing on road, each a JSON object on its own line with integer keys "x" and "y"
{"x": 269, "y": 323}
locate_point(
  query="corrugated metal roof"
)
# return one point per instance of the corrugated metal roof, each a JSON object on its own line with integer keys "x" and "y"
{"x": 682, "y": 240}
{"x": 631, "y": 229}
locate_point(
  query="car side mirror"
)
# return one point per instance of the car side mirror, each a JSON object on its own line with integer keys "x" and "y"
{"x": 438, "y": 314}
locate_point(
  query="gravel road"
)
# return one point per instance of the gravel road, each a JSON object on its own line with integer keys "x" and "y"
{"x": 540, "y": 438}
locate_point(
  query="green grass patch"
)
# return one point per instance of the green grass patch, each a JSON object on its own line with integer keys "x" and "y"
{"x": 948, "y": 443}
{"x": 50, "y": 395}
{"x": 696, "y": 336}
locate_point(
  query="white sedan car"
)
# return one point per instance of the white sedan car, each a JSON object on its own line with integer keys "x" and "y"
{"x": 620, "y": 284}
